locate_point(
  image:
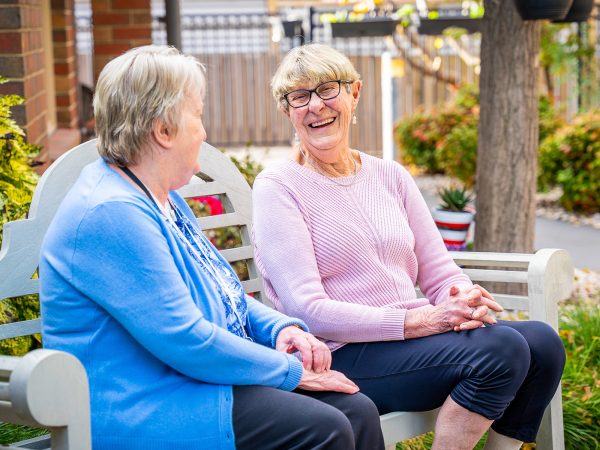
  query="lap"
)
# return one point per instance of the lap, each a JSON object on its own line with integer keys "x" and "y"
{"x": 419, "y": 374}
{"x": 266, "y": 417}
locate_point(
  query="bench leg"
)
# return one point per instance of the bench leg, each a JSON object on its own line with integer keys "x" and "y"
{"x": 551, "y": 434}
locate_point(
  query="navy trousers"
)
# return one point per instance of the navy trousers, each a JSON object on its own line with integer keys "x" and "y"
{"x": 267, "y": 418}
{"x": 507, "y": 372}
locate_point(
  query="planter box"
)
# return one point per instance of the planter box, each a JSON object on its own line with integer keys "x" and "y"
{"x": 292, "y": 28}
{"x": 543, "y": 9}
{"x": 579, "y": 12}
{"x": 380, "y": 26}
{"x": 435, "y": 27}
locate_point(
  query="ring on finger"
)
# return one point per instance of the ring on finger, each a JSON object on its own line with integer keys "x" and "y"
{"x": 472, "y": 313}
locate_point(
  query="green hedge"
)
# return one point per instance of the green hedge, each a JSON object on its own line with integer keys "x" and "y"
{"x": 445, "y": 141}
{"x": 571, "y": 158}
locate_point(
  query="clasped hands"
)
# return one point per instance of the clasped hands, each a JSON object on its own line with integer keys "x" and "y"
{"x": 470, "y": 308}
{"x": 316, "y": 361}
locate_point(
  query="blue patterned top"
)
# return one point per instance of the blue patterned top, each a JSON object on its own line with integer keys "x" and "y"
{"x": 227, "y": 283}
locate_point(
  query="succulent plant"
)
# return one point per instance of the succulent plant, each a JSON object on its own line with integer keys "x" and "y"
{"x": 454, "y": 198}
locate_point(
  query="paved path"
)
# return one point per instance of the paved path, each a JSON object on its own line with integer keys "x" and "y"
{"x": 582, "y": 242}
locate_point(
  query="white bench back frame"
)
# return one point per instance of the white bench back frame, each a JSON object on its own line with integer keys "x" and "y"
{"x": 548, "y": 275}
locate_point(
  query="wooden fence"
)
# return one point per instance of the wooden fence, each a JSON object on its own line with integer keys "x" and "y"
{"x": 240, "y": 59}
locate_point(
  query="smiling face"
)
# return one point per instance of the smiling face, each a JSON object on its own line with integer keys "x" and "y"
{"x": 323, "y": 126}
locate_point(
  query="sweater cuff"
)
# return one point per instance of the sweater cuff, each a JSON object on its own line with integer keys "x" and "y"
{"x": 285, "y": 323}
{"x": 392, "y": 326}
{"x": 292, "y": 380}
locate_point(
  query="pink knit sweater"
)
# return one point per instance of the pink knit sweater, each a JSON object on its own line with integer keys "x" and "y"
{"x": 344, "y": 255}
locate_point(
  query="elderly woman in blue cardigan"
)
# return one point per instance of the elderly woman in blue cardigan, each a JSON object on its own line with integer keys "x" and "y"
{"x": 178, "y": 356}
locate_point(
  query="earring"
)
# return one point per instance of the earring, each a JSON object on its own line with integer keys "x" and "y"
{"x": 296, "y": 139}
{"x": 354, "y": 119}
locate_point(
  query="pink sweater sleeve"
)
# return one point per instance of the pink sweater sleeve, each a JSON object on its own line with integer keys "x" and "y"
{"x": 285, "y": 256}
{"x": 437, "y": 270}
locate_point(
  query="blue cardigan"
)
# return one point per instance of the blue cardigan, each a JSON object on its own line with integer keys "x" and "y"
{"x": 120, "y": 291}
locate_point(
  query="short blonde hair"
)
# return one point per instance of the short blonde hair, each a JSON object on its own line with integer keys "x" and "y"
{"x": 136, "y": 89}
{"x": 310, "y": 64}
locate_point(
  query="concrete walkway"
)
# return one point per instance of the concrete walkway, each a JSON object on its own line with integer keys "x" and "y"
{"x": 582, "y": 242}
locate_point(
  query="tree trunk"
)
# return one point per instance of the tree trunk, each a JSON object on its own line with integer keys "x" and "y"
{"x": 508, "y": 130}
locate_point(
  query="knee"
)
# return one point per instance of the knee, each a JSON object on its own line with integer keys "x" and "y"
{"x": 363, "y": 416}
{"x": 508, "y": 352}
{"x": 547, "y": 350}
{"x": 332, "y": 430}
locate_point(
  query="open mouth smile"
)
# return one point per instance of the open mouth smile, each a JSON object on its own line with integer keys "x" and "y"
{"x": 322, "y": 123}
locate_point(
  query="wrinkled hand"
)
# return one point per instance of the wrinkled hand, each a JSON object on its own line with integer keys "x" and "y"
{"x": 330, "y": 380}
{"x": 315, "y": 355}
{"x": 475, "y": 304}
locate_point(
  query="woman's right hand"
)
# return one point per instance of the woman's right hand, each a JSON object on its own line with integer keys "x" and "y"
{"x": 329, "y": 380}
{"x": 464, "y": 310}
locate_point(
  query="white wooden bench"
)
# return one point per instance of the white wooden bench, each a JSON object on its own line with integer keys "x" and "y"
{"x": 548, "y": 275}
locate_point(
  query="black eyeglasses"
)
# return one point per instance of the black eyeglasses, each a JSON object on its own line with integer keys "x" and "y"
{"x": 325, "y": 91}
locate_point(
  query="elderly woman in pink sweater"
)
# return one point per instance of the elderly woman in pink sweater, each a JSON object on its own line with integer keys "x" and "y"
{"x": 342, "y": 238}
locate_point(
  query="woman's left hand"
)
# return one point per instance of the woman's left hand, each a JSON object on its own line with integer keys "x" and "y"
{"x": 480, "y": 302}
{"x": 316, "y": 356}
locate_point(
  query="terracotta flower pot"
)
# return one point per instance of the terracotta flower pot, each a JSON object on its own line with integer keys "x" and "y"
{"x": 453, "y": 226}
{"x": 543, "y": 9}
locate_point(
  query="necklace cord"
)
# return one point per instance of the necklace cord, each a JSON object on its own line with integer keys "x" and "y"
{"x": 317, "y": 166}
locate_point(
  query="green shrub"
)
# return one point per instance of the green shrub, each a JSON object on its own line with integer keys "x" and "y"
{"x": 422, "y": 136}
{"x": 571, "y": 159}
{"x": 457, "y": 156}
{"x": 445, "y": 141}
{"x": 17, "y": 182}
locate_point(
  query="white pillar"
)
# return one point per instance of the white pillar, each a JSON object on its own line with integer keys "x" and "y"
{"x": 387, "y": 117}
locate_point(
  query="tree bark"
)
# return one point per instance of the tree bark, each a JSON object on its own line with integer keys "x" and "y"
{"x": 508, "y": 130}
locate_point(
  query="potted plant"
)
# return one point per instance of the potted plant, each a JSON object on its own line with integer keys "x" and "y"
{"x": 438, "y": 20}
{"x": 453, "y": 217}
{"x": 543, "y": 9}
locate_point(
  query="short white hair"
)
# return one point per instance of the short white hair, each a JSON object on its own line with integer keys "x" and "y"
{"x": 136, "y": 89}
{"x": 310, "y": 64}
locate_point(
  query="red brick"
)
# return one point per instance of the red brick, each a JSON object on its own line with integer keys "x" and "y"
{"x": 34, "y": 83}
{"x": 33, "y": 40}
{"x": 103, "y": 34}
{"x": 132, "y": 33}
{"x": 65, "y": 118}
{"x": 61, "y": 68}
{"x": 110, "y": 18}
{"x": 11, "y": 18}
{"x": 10, "y": 42}
{"x": 64, "y": 52}
{"x": 12, "y": 66}
{"x": 142, "y": 19}
{"x": 32, "y": 17}
{"x": 62, "y": 100}
{"x": 36, "y": 130}
{"x": 131, "y": 4}
{"x": 34, "y": 62}
{"x": 110, "y": 49}
{"x": 13, "y": 88}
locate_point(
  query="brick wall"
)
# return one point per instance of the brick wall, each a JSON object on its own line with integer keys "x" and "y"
{"x": 22, "y": 60}
{"x": 65, "y": 63}
{"x": 118, "y": 26}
